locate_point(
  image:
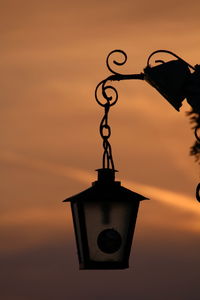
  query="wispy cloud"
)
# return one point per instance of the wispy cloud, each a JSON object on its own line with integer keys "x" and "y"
{"x": 180, "y": 202}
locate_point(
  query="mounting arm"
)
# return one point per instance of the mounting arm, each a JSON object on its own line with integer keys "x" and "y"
{"x": 173, "y": 80}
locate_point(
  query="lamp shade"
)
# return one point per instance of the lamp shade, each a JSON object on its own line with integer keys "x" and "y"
{"x": 104, "y": 218}
{"x": 193, "y": 90}
{"x": 169, "y": 79}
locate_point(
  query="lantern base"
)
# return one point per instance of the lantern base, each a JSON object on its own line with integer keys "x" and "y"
{"x": 106, "y": 265}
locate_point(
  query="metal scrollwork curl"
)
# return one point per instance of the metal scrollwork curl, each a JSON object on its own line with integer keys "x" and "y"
{"x": 168, "y": 52}
{"x": 104, "y": 90}
{"x": 118, "y": 63}
{"x": 106, "y": 93}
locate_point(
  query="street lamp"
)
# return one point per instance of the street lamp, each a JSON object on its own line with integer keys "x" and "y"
{"x": 104, "y": 218}
{"x": 104, "y": 215}
{"x": 175, "y": 81}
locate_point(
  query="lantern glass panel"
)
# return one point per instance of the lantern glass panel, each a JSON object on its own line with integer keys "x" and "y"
{"x": 77, "y": 229}
{"x": 107, "y": 226}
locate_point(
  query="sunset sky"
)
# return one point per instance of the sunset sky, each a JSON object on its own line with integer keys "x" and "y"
{"x": 53, "y": 55}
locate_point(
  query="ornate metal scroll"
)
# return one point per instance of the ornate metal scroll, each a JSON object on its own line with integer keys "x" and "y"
{"x": 106, "y": 96}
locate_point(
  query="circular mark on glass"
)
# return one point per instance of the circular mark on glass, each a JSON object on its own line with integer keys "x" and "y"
{"x": 109, "y": 241}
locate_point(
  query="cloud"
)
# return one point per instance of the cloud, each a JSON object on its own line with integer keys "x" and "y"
{"x": 181, "y": 203}
{"x": 53, "y": 55}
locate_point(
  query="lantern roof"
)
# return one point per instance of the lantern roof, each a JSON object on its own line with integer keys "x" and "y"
{"x": 108, "y": 188}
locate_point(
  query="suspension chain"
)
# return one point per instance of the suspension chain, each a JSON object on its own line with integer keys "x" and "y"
{"x": 105, "y": 132}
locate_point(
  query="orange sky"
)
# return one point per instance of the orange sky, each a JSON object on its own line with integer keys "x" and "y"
{"x": 52, "y": 57}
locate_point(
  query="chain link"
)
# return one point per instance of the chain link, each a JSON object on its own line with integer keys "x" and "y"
{"x": 197, "y": 128}
{"x": 198, "y": 192}
{"x": 196, "y": 150}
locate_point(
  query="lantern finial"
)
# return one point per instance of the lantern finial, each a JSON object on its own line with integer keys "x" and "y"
{"x": 106, "y": 175}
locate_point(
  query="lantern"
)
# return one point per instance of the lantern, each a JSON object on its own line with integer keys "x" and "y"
{"x": 170, "y": 79}
{"x": 104, "y": 218}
